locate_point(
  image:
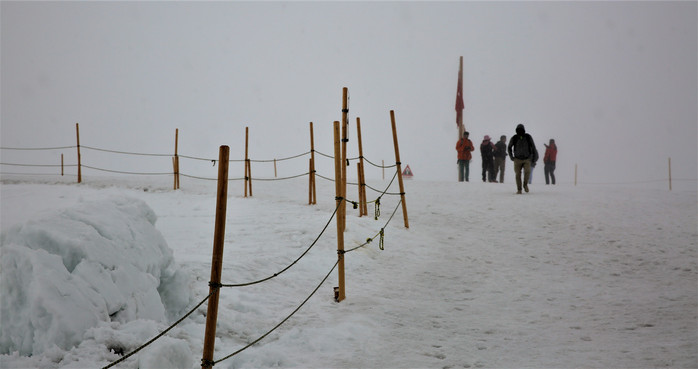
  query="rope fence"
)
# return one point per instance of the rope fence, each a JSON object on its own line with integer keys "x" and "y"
{"x": 339, "y": 214}
{"x": 217, "y": 286}
{"x": 162, "y": 173}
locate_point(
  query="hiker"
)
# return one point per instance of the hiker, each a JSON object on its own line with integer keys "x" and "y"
{"x": 522, "y": 151}
{"x": 487, "y": 152}
{"x": 464, "y": 147}
{"x": 500, "y": 158}
{"x": 549, "y": 160}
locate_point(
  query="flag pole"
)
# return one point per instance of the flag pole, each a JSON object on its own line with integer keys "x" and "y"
{"x": 460, "y": 105}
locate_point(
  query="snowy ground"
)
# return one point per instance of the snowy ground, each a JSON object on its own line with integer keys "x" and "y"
{"x": 562, "y": 277}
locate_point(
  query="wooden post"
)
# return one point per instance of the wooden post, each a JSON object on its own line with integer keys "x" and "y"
{"x": 175, "y": 161}
{"x": 61, "y": 165}
{"x": 670, "y": 174}
{"x": 248, "y": 167}
{"x": 363, "y": 208}
{"x": 310, "y": 181}
{"x": 339, "y": 196}
{"x": 399, "y": 170}
{"x": 217, "y": 258}
{"x": 345, "y": 127}
{"x": 77, "y": 131}
{"x": 575, "y": 174}
{"x": 311, "y": 190}
{"x": 274, "y": 167}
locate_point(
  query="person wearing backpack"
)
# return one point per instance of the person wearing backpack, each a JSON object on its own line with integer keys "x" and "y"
{"x": 522, "y": 151}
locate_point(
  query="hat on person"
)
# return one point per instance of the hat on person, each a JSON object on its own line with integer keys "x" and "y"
{"x": 487, "y": 137}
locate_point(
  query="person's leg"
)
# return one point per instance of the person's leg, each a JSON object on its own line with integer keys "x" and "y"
{"x": 552, "y": 172}
{"x": 461, "y": 170}
{"x": 546, "y": 170}
{"x": 527, "y": 173}
{"x": 518, "y": 165}
{"x": 467, "y": 170}
{"x": 502, "y": 165}
{"x": 484, "y": 170}
{"x": 496, "y": 168}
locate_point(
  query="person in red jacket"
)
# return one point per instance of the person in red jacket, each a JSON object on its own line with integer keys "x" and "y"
{"x": 549, "y": 161}
{"x": 464, "y": 148}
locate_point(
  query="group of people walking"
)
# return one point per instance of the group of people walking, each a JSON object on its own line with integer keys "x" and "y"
{"x": 521, "y": 150}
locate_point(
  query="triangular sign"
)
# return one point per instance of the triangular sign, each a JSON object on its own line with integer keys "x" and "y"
{"x": 407, "y": 172}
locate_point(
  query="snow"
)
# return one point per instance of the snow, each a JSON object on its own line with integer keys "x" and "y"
{"x": 564, "y": 276}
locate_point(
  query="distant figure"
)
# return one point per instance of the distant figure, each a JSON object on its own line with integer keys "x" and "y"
{"x": 464, "y": 148}
{"x": 549, "y": 161}
{"x": 487, "y": 152}
{"x": 523, "y": 152}
{"x": 500, "y": 158}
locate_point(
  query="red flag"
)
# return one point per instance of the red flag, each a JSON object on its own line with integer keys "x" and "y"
{"x": 460, "y": 105}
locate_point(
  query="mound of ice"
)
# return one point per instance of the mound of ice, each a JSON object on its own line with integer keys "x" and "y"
{"x": 72, "y": 270}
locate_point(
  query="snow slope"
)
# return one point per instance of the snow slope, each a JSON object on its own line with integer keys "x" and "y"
{"x": 565, "y": 276}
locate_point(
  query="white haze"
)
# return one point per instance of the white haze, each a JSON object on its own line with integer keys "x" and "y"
{"x": 615, "y": 83}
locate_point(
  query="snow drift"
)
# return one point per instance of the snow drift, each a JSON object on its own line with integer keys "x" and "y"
{"x": 74, "y": 269}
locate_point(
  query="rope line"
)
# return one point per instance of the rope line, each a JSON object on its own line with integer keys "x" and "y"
{"x": 35, "y": 174}
{"x": 380, "y": 166}
{"x": 283, "y": 321}
{"x": 39, "y": 165}
{"x": 280, "y": 179}
{"x": 38, "y": 148}
{"x": 282, "y": 159}
{"x": 159, "y": 335}
{"x": 122, "y": 172}
{"x": 293, "y": 263}
{"x": 123, "y": 152}
{"x": 380, "y": 233}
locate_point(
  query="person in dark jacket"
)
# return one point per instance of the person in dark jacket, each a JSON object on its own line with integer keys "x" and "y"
{"x": 500, "y": 158}
{"x": 487, "y": 152}
{"x": 549, "y": 161}
{"x": 522, "y": 151}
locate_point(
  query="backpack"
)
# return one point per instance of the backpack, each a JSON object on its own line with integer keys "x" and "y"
{"x": 523, "y": 147}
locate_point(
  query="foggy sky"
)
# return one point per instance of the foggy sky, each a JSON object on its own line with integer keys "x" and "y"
{"x": 614, "y": 83}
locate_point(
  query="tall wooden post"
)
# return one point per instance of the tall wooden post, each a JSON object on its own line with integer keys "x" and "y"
{"x": 175, "y": 161}
{"x": 363, "y": 208}
{"x": 61, "y": 165}
{"x": 575, "y": 174}
{"x": 345, "y": 126}
{"x": 311, "y": 184}
{"x": 383, "y": 166}
{"x": 399, "y": 170}
{"x": 339, "y": 196}
{"x": 77, "y": 131}
{"x": 669, "y": 174}
{"x": 274, "y": 167}
{"x": 217, "y": 258}
{"x": 248, "y": 167}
